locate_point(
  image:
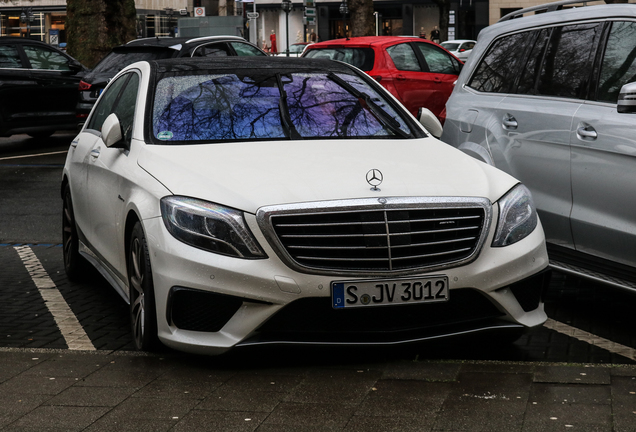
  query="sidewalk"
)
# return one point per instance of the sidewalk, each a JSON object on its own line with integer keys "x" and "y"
{"x": 45, "y": 390}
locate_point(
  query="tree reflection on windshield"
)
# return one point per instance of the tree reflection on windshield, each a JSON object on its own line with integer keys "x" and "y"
{"x": 233, "y": 107}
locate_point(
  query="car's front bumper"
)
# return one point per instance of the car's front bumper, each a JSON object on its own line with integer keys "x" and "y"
{"x": 501, "y": 288}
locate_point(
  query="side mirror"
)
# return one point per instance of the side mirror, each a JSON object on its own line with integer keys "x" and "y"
{"x": 627, "y": 99}
{"x": 75, "y": 66}
{"x": 112, "y": 134}
{"x": 430, "y": 122}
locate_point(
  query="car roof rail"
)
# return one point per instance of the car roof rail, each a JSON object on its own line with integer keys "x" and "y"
{"x": 547, "y": 7}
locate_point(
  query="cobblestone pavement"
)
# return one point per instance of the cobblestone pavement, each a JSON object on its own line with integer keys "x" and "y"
{"x": 294, "y": 390}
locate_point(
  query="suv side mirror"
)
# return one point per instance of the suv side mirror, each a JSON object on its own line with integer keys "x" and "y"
{"x": 112, "y": 134}
{"x": 430, "y": 122}
{"x": 627, "y": 99}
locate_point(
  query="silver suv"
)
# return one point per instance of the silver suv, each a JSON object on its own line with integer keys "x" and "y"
{"x": 551, "y": 99}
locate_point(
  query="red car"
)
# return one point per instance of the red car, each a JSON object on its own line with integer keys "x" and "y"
{"x": 419, "y": 73}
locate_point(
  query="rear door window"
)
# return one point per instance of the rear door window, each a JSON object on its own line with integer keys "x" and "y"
{"x": 9, "y": 57}
{"x": 404, "y": 57}
{"x": 44, "y": 58}
{"x": 497, "y": 70}
{"x": 619, "y": 62}
{"x": 568, "y": 61}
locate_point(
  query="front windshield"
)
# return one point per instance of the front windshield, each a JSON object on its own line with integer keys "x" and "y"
{"x": 235, "y": 106}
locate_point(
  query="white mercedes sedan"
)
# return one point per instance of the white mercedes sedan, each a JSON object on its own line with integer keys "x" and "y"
{"x": 238, "y": 202}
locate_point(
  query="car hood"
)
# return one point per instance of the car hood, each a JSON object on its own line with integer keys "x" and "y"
{"x": 248, "y": 176}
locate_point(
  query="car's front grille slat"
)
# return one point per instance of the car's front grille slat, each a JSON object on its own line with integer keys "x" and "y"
{"x": 380, "y": 239}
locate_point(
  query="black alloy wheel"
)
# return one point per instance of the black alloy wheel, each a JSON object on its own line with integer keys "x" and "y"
{"x": 75, "y": 265}
{"x": 143, "y": 315}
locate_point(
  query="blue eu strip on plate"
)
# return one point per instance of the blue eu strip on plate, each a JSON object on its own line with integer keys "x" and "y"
{"x": 337, "y": 295}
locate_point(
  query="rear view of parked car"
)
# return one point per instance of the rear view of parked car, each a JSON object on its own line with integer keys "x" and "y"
{"x": 417, "y": 72}
{"x": 95, "y": 81}
{"x": 38, "y": 88}
{"x": 277, "y": 201}
{"x": 549, "y": 99}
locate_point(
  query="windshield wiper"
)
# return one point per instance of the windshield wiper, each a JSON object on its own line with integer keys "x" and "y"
{"x": 367, "y": 103}
{"x": 288, "y": 126}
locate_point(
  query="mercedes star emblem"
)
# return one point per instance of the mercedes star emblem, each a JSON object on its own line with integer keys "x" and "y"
{"x": 374, "y": 178}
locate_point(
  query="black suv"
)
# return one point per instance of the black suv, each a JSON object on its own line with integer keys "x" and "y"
{"x": 154, "y": 49}
{"x": 38, "y": 88}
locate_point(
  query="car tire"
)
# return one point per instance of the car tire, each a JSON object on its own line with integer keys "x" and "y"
{"x": 143, "y": 315}
{"x": 75, "y": 265}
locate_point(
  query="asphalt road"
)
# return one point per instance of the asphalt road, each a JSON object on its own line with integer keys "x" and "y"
{"x": 589, "y": 323}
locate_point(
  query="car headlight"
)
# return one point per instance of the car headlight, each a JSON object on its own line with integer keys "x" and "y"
{"x": 209, "y": 226}
{"x": 517, "y": 217}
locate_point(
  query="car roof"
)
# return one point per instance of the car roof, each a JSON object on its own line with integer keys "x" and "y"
{"x": 14, "y": 39}
{"x": 171, "y": 41}
{"x": 369, "y": 41}
{"x": 563, "y": 16}
{"x": 262, "y": 63}
{"x": 457, "y": 41}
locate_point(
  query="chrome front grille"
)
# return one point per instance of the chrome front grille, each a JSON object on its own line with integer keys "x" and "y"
{"x": 370, "y": 236}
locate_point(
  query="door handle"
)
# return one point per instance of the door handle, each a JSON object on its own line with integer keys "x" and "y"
{"x": 401, "y": 77}
{"x": 74, "y": 143}
{"x": 510, "y": 122}
{"x": 95, "y": 153}
{"x": 437, "y": 79}
{"x": 586, "y": 132}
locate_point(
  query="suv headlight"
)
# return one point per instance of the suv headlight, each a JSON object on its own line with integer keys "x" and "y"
{"x": 209, "y": 226}
{"x": 517, "y": 217}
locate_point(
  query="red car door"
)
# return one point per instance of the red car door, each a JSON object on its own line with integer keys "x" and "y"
{"x": 415, "y": 88}
{"x": 442, "y": 69}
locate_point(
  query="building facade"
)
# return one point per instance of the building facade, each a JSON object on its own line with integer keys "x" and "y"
{"x": 45, "y": 19}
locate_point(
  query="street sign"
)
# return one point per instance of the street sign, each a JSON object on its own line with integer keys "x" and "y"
{"x": 54, "y": 37}
{"x": 309, "y": 3}
{"x": 310, "y": 12}
{"x": 253, "y": 15}
{"x": 199, "y": 11}
{"x": 309, "y": 20}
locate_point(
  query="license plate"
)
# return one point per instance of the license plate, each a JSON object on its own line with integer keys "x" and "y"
{"x": 368, "y": 293}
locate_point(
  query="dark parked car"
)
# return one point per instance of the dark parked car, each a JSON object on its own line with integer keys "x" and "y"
{"x": 38, "y": 88}
{"x": 156, "y": 49}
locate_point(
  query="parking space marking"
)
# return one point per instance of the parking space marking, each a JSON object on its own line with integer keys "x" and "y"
{"x": 584, "y": 336}
{"x": 71, "y": 329}
{"x": 33, "y": 155}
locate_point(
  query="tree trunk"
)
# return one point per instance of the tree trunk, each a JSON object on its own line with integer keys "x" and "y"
{"x": 361, "y": 18}
{"x": 444, "y": 13}
{"x": 94, "y": 27}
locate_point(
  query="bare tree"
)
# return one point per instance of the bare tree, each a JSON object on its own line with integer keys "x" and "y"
{"x": 96, "y": 26}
